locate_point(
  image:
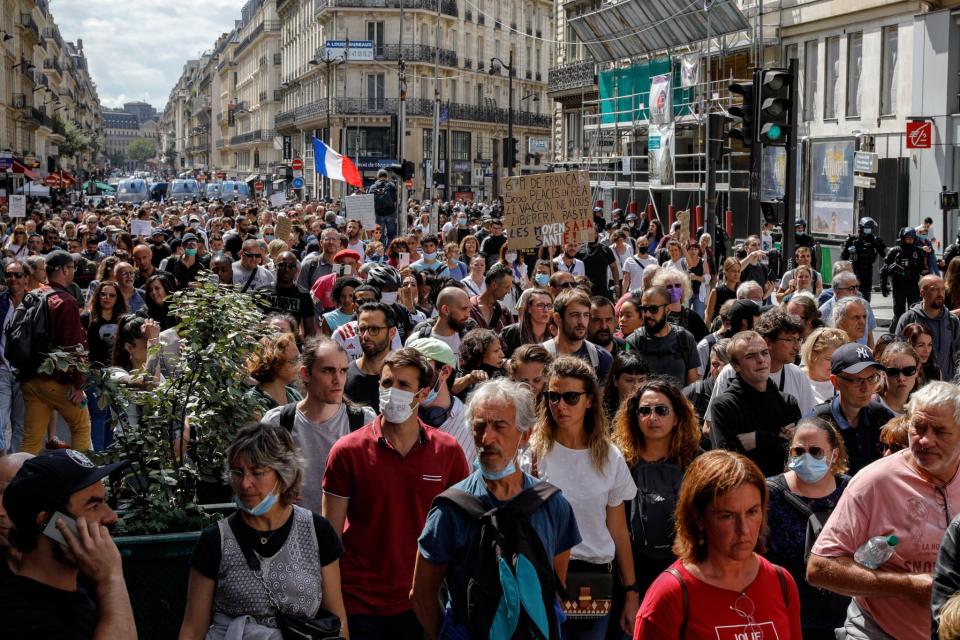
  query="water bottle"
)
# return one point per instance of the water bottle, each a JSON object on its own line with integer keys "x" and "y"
{"x": 876, "y": 551}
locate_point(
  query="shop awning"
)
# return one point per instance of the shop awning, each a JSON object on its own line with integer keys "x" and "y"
{"x": 102, "y": 186}
{"x": 279, "y": 184}
{"x": 19, "y": 167}
{"x": 67, "y": 179}
{"x": 641, "y": 27}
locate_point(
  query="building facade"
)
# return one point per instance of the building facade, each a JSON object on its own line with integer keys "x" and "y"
{"x": 121, "y": 128}
{"x": 143, "y": 110}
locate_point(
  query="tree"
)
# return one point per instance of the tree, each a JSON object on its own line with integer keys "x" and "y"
{"x": 140, "y": 150}
{"x": 117, "y": 159}
{"x": 170, "y": 156}
{"x": 75, "y": 141}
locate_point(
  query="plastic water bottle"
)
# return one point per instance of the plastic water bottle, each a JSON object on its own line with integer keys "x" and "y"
{"x": 876, "y": 551}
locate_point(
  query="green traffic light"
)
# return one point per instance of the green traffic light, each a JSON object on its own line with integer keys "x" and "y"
{"x": 774, "y": 132}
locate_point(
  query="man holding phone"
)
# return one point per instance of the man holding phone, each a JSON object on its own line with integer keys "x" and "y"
{"x": 57, "y": 505}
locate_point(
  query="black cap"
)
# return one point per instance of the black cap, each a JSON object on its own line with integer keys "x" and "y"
{"x": 46, "y": 482}
{"x": 852, "y": 358}
{"x": 187, "y": 237}
{"x": 58, "y": 258}
{"x": 741, "y": 310}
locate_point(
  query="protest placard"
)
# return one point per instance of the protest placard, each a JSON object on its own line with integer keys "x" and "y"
{"x": 548, "y": 209}
{"x": 18, "y": 206}
{"x": 278, "y": 199}
{"x": 360, "y": 208}
{"x": 141, "y": 228}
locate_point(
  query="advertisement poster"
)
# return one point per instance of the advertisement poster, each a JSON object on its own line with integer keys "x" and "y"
{"x": 774, "y": 179}
{"x": 660, "y": 155}
{"x": 689, "y": 70}
{"x": 831, "y": 187}
{"x": 661, "y": 104}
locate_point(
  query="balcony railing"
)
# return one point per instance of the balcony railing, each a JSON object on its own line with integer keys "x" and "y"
{"x": 467, "y": 63}
{"x": 53, "y": 65}
{"x": 41, "y": 118}
{"x": 277, "y": 58}
{"x": 468, "y": 15}
{"x": 575, "y": 75}
{"x": 259, "y": 135}
{"x": 285, "y": 119}
{"x": 263, "y": 61}
{"x": 29, "y": 24}
{"x": 19, "y": 101}
{"x": 447, "y": 7}
{"x": 419, "y": 53}
{"x": 263, "y": 96}
{"x": 528, "y": 75}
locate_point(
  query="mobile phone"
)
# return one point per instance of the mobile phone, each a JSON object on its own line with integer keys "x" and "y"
{"x": 342, "y": 269}
{"x": 51, "y": 531}
{"x": 403, "y": 260}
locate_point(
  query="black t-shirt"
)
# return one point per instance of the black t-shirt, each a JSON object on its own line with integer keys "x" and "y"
{"x": 206, "y": 555}
{"x": 31, "y": 609}
{"x": 491, "y": 248}
{"x": 160, "y": 251}
{"x": 596, "y": 261}
{"x": 294, "y": 300}
{"x": 139, "y": 279}
{"x": 182, "y": 274}
{"x": 100, "y": 336}
{"x": 362, "y": 388}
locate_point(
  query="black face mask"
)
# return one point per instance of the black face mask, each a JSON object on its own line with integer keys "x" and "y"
{"x": 642, "y": 250}
{"x": 434, "y": 416}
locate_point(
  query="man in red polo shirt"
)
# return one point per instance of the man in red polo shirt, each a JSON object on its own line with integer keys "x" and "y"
{"x": 378, "y": 487}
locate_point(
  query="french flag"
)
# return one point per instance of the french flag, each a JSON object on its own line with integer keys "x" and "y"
{"x": 331, "y": 164}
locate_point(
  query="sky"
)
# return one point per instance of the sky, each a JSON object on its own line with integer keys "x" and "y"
{"x": 136, "y": 49}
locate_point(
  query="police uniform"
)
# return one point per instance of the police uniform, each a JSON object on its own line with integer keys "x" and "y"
{"x": 863, "y": 250}
{"x": 905, "y": 263}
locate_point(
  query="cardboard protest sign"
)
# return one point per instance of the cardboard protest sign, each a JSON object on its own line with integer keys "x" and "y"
{"x": 548, "y": 209}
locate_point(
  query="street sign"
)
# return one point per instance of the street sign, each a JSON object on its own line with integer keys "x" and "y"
{"x": 919, "y": 134}
{"x": 296, "y": 164}
{"x": 52, "y": 180}
{"x": 865, "y": 162}
{"x": 297, "y": 183}
{"x": 6, "y": 161}
{"x": 297, "y": 173}
{"x": 349, "y": 50}
{"x": 258, "y": 186}
{"x": 864, "y": 182}
{"x": 408, "y": 184}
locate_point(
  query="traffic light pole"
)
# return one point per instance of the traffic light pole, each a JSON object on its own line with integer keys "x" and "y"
{"x": 790, "y": 185}
{"x": 511, "y": 159}
{"x": 754, "y": 215}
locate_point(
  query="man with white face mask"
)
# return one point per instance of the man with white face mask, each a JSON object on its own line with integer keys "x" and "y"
{"x": 383, "y": 478}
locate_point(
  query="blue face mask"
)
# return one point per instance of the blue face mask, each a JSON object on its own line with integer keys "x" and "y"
{"x": 510, "y": 469}
{"x": 261, "y": 508}
{"x": 190, "y": 252}
{"x": 430, "y": 256}
{"x": 808, "y": 468}
{"x": 542, "y": 279}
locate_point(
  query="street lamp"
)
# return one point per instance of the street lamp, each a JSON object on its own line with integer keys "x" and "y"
{"x": 328, "y": 60}
{"x": 510, "y": 71}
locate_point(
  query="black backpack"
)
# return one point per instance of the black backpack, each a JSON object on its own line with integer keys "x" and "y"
{"x": 355, "y": 416}
{"x": 383, "y": 200}
{"x": 506, "y": 535}
{"x": 28, "y": 336}
{"x": 652, "y": 511}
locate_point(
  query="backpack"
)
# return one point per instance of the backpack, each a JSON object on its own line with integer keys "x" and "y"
{"x": 815, "y": 519}
{"x": 652, "y": 512}
{"x": 382, "y": 197}
{"x": 355, "y": 416}
{"x": 510, "y": 553}
{"x": 29, "y": 335}
{"x": 551, "y": 347}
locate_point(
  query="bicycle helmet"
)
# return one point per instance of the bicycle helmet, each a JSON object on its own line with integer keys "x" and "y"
{"x": 384, "y": 277}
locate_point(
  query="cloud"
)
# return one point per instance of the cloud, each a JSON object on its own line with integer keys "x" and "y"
{"x": 136, "y": 50}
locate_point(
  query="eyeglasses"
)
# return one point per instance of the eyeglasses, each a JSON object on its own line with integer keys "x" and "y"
{"x": 661, "y": 410}
{"x": 816, "y": 452}
{"x": 892, "y": 447}
{"x": 372, "y": 330}
{"x": 286, "y": 265}
{"x": 543, "y": 306}
{"x": 14, "y": 274}
{"x": 862, "y": 382}
{"x": 247, "y": 254}
{"x": 793, "y": 340}
{"x": 849, "y": 289}
{"x": 906, "y": 372}
{"x": 570, "y": 398}
{"x": 651, "y": 308}
{"x": 743, "y": 606}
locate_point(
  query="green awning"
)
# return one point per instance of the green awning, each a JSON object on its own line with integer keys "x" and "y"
{"x": 102, "y": 186}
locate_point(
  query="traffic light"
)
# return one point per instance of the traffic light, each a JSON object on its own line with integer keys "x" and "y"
{"x": 774, "y": 105}
{"x": 746, "y": 112}
{"x": 405, "y": 169}
{"x": 511, "y": 149}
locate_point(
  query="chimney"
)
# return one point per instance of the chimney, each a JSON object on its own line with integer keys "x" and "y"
{"x": 79, "y": 45}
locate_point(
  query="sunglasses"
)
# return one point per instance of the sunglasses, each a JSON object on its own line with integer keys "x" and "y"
{"x": 567, "y": 285}
{"x": 252, "y": 255}
{"x": 661, "y": 410}
{"x": 569, "y": 398}
{"x": 286, "y": 265}
{"x": 816, "y": 452}
{"x": 674, "y": 286}
{"x": 14, "y": 274}
{"x": 883, "y": 447}
{"x": 651, "y": 308}
{"x": 888, "y": 338}
{"x": 906, "y": 372}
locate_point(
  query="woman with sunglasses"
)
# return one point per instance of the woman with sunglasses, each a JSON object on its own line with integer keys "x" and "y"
{"x": 16, "y": 245}
{"x": 813, "y": 483}
{"x": 921, "y": 339}
{"x": 901, "y": 376}
{"x": 721, "y": 587}
{"x": 570, "y": 448}
{"x": 659, "y": 434}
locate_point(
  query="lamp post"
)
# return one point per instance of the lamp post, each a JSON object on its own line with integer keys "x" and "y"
{"x": 509, "y": 68}
{"x": 328, "y": 60}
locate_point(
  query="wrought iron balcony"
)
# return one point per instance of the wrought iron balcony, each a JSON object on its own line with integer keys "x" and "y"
{"x": 447, "y": 7}
{"x": 468, "y": 15}
{"x": 52, "y": 65}
{"x": 576, "y": 75}
{"x": 29, "y": 25}
{"x": 258, "y": 135}
{"x": 19, "y": 101}
{"x": 285, "y": 119}
{"x": 467, "y": 63}
{"x": 419, "y": 53}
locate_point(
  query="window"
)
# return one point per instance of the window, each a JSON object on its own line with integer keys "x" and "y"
{"x": 375, "y": 34}
{"x": 888, "y": 71}
{"x": 461, "y": 145}
{"x": 854, "y": 57}
{"x": 468, "y": 47}
{"x": 810, "y": 80}
{"x": 831, "y": 77}
{"x": 375, "y": 91}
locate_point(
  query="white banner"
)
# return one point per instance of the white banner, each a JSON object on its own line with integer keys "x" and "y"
{"x": 660, "y": 155}
{"x": 689, "y": 70}
{"x": 661, "y": 103}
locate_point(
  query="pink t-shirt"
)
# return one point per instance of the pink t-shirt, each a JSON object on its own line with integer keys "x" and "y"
{"x": 890, "y": 497}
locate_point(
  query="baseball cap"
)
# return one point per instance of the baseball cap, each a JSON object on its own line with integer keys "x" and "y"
{"x": 741, "y": 310}
{"x": 58, "y": 258}
{"x": 46, "y": 482}
{"x": 346, "y": 253}
{"x": 434, "y": 349}
{"x": 187, "y": 237}
{"x": 852, "y": 358}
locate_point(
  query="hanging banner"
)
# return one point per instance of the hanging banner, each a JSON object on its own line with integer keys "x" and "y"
{"x": 831, "y": 187}
{"x": 661, "y": 104}
{"x": 689, "y": 70}
{"x": 660, "y": 155}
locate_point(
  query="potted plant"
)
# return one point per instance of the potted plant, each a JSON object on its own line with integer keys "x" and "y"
{"x": 163, "y": 502}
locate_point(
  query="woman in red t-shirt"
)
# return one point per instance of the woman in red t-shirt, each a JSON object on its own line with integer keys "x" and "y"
{"x": 721, "y": 587}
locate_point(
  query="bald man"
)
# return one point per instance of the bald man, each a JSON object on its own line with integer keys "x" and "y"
{"x": 943, "y": 325}
{"x": 9, "y": 557}
{"x": 453, "y": 319}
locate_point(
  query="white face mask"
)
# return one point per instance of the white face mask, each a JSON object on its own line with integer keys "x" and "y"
{"x": 511, "y": 257}
{"x": 388, "y": 297}
{"x": 396, "y": 404}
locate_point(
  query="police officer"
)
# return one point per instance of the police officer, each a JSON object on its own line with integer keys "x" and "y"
{"x": 803, "y": 239}
{"x": 863, "y": 250}
{"x": 905, "y": 263}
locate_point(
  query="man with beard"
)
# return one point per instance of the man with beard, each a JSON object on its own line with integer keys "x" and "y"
{"x": 571, "y": 314}
{"x": 943, "y": 325}
{"x": 668, "y": 349}
{"x": 9, "y": 557}
{"x": 376, "y": 328}
{"x": 752, "y": 416}
{"x": 568, "y": 261}
{"x": 602, "y": 324}
{"x": 354, "y": 241}
{"x": 286, "y": 296}
{"x": 453, "y": 319}
{"x": 46, "y": 598}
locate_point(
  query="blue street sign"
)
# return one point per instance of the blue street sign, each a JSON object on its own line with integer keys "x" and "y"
{"x": 297, "y": 183}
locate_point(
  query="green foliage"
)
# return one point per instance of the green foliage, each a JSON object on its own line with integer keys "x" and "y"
{"x": 207, "y": 393}
{"x": 74, "y": 141}
{"x": 141, "y": 149}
